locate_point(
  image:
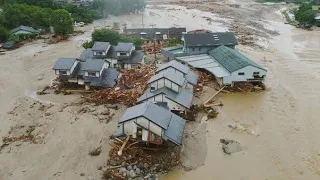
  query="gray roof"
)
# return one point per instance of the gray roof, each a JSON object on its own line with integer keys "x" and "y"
{"x": 184, "y": 97}
{"x": 210, "y": 39}
{"x": 24, "y": 28}
{"x": 175, "y": 129}
{"x": 108, "y": 79}
{"x": 92, "y": 65}
{"x": 231, "y": 59}
{"x": 86, "y": 54}
{"x": 8, "y": 45}
{"x": 123, "y": 47}
{"x": 170, "y": 75}
{"x": 154, "y": 113}
{"x": 100, "y": 46}
{"x": 192, "y": 78}
{"x": 64, "y": 63}
{"x": 136, "y": 58}
{"x": 172, "y": 124}
{"x": 176, "y": 65}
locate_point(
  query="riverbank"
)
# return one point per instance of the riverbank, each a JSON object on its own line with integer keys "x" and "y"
{"x": 280, "y": 135}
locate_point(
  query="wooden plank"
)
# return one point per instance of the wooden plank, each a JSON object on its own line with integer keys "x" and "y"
{"x": 214, "y": 95}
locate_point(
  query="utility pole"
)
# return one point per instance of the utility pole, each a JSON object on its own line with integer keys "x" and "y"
{"x": 154, "y": 43}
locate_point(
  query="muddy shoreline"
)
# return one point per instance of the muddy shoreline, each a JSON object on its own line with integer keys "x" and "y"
{"x": 277, "y": 127}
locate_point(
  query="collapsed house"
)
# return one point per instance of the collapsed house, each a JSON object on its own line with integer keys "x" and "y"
{"x": 152, "y": 124}
{"x": 124, "y": 55}
{"x": 172, "y": 84}
{"x": 89, "y": 72}
{"x": 216, "y": 53}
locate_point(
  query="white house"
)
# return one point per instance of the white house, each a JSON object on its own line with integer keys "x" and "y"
{"x": 65, "y": 66}
{"x": 228, "y": 66}
{"x": 152, "y": 123}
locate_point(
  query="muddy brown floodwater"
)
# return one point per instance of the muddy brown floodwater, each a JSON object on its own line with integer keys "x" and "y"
{"x": 279, "y": 127}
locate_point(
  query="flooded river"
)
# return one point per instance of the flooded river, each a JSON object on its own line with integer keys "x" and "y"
{"x": 282, "y": 137}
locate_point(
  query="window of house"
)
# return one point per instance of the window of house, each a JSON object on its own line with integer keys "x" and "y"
{"x": 63, "y": 72}
{"x": 199, "y": 48}
{"x": 256, "y": 73}
{"x": 123, "y": 54}
{"x": 241, "y": 73}
{"x": 152, "y": 88}
{"x": 193, "y": 49}
{"x": 92, "y": 74}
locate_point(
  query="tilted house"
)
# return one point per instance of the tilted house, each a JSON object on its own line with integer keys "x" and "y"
{"x": 152, "y": 123}
{"x": 227, "y": 65}
{"x": 123, "y": 55}
{"x": 173, "y": 84}
{"x": 181, "y": 69}
{"x": 91, "y": 72}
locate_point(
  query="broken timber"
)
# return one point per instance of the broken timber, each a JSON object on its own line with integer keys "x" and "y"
{"x": 123, "y": 145}
{"x": 214, "y": 95}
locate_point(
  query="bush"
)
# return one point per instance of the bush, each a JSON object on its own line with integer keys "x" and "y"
{"x": 14, "y": 37}
{"x": 87, "y": 45}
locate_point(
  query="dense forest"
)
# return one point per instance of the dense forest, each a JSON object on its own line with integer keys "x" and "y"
{"x": 38, "y": 13}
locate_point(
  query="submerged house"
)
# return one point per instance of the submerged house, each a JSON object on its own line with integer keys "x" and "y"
{"x": 124, "y": 55}
{"x": 227, "y": 65}
{"x": 90, "y": 73}
{"x": 172, "y": 84}
{"x": 152, "y": 124}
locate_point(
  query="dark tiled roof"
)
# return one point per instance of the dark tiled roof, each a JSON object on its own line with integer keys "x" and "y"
{"x": 170, "y": 75}
{"x": 24, "y": 28}
{"x": 92, "y": 65}
{"x": 86, "y": 54}
{"x": 108, "y": 79}
{"x": 184, "y": 97}
{"x": 176, "y": 65}
{"x": 64, "y": 63}
{"x": 172, "y": 124}
{"x": 123, "y": 47}
{"x": 100, "y": 46}
{"x": 231, "y": 59}
{"x": 210, "y": 39}
{"x": 8, "y": 45}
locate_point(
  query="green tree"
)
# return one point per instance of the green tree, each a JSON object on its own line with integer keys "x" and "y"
{"x": 307, "y": 17}
{"x": 61, "y": 22}
{"x": 106, "y": 35}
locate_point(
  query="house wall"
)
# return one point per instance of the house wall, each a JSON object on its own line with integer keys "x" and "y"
{"x": 113, "y": 62}
{"x": 97, "y": 74}
{"x": 173, "y": 106}
{"x": 105, "y": 65}
{"x": 196, "y": 50}
{"x": 145, "y": 123}
{"x": 130, "y": 128}
{"x": 248, "y": 74}
{"x": 171, "y": 85}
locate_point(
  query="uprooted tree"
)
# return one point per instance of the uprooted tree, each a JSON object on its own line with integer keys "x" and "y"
{"x": 61, "y": 22}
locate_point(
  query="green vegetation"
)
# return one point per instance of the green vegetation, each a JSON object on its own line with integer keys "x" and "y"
{"x": 61, "y": 22}
{"x": 172, "y": 42}
{"x": 38, "y": 13}
{"x": 113, "y": 37}
{"x": 305, "y": 14}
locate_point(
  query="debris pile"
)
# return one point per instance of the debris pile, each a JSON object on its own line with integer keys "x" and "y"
{"x": 132, "y": 84}
{"x": 22, "y": 138}
{"x": 205, "y": 78}
{"x": 138, "y": 160}
{"x": 195, "y": 109}
{"x": 152, "y": 47}
{"x": 246, "y": 87}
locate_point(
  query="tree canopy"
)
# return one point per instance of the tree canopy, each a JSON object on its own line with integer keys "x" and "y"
{"x": 61, "y": 22}
{"x": 113, "y": 37}
{"x": 305, "y": 14}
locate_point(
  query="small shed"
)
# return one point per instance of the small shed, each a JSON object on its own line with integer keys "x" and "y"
{"x": 152, "y": 123}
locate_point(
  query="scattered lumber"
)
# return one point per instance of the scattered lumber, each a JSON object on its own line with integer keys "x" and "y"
{"x": 123, "y": 145}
